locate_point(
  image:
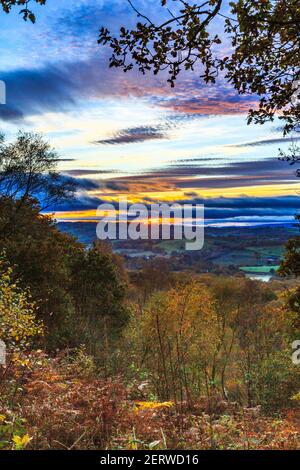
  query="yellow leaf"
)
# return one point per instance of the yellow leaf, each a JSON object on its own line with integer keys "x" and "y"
{"x": 21, "y": 441}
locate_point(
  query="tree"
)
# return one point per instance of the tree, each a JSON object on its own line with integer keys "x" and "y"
{"x": 28, "y": 170}
{"x": 264, "y": 57}
{"x": 290, "y": 266}
{"x": 154, "y": 276}
{"x": 23, "y": 5}
{"x": 98, "y": 289}
{"x": 174, "y": 339}
{"x": 80, "y": 294}
{"x": 18, "y": 323}
{"x": 40, "y": 254}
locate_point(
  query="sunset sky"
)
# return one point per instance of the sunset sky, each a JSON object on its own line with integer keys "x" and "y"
{"x": 125, "y": 134}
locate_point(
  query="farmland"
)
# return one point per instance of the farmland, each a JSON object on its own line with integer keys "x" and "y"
{"x": 256, "y": 250}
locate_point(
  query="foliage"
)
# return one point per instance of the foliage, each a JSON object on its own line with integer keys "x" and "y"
{"x": 291, "y": 262}
{"x": 61, "y": 411}
{"x": 19, "y": 329}
{"x": 152, "y": 405}
{"x": 23, "y": 4}
{"x": 13, "y": 433}
{"x": 66, "y": 411}
{"x": 79, "y": 363}
{"x": 194, "y": 366}
{"x": 290, "y": 266}
{"x": 154, "y": 276}
{"x": 179, "y": 344}
{"x": 80, "y": 293}
{"x": 296, "y": 397}
{"x": 263, "y": 59}
{"x": 18, "y": 323}
{"x": 36, "y": 238}
{"x": 278, "y": 370}
{"x": 98, "y": 292}
{"x": 175, "y": 338}
{"x": 21, "y": 442}
{"x": 223, "y": 339}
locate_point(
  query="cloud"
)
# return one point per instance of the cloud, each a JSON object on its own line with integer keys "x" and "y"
{"x": 62, "y": 86}
{"x": 73, "y": 67}
{"x": 248, "y": 202}
{"x": 218, "y": 208}
{"x": 8, "y": 113}
{"x": 245, "y": 207}
{"x": 207, "y": 101}
{"x": 268, "y": 167}
{"x": 280, "y": 140}
{"x": 180, "y": 176}
{"x": 117, "y": 186}
{"x": 36, "y": 91}
{"x": 82, "y": 202}
{"x": 83, "y": 172}
{"x": 86, "y": 184}
{"x": 134, "y": 135}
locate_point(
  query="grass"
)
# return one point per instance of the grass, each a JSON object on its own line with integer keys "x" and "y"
{"x": 268, "y": 251}
{"x": 259, "y": 269}
{"x": 236, "y": 258}
{"x": 171, "y": 245}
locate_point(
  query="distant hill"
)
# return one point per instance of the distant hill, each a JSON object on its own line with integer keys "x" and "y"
{"x": 85, "y": 232}
{"x": 226, "y": 249}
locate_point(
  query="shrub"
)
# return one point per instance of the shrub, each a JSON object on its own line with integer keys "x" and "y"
{"x": 18, "y": 323}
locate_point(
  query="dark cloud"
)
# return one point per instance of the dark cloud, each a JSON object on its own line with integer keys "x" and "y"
{"x": 197, "y": 160}
{"x": 135, "y": 134}
{"x": 8, "y": 113}
{"x": 36, "y": 91}
{"x": 280, "y": 140}
{"x": 231, "y": 182}
{"x": 237, "y": 174}
{"x": 190, "y": 194}
{"x": 244, "y": 206}
{"x": 259, "y": 168}
{"x": 61, "y": 86}
{"x": 55, "y": 88}
{"x": 86, "y": 184}
{"x": 117, "y": 186}
{"x": 82, "y": 172}
{"x": 247, "y": 202}
{"x": 81, "y": 203}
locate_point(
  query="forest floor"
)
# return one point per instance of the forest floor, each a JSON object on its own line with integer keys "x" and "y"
{"x": 52, "y": 408}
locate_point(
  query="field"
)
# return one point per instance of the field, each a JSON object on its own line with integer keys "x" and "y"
{"x": 256, "y": 250}
{"x": 259, "y": 269}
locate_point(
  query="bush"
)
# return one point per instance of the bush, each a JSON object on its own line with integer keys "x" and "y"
{"x": 19, "y": 326}
{"x": 277, "y": 380}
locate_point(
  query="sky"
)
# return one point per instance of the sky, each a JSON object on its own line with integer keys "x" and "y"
{"x": 128, "y": 135}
